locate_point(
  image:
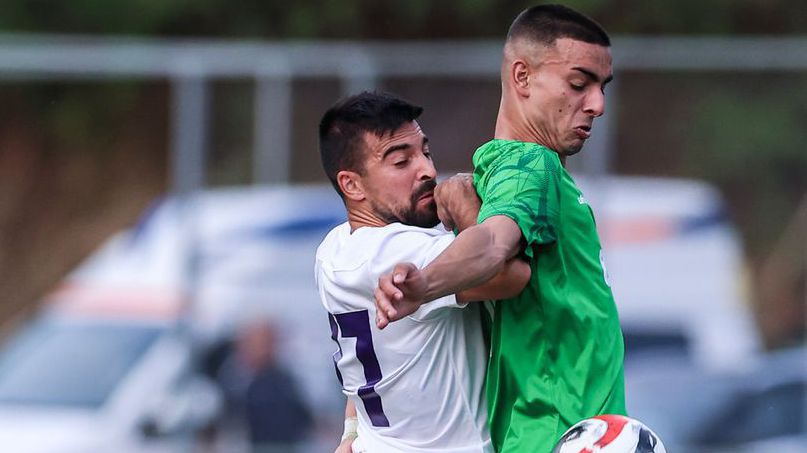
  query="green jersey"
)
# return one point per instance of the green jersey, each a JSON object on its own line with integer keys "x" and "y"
{"x": 557, "y": 348}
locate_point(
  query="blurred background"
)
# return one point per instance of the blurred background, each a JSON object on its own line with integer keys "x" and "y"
{"x": 161, "y": 199}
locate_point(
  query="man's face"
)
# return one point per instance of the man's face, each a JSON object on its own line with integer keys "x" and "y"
{"x": 399, "y": 177}
{"x": 567, "y": 91}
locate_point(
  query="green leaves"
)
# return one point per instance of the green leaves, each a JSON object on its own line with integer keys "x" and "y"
{"x": 391, "y": 19}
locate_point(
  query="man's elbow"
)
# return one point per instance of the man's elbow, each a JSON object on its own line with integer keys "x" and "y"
{"x": 518, "y": 276}
{"x": 504, "y": 237}
{"x": 523, "y": 273}
{"x": 497, "y": 256}
{"x": 494, "y": 255}
{"x": 505, "y": 285}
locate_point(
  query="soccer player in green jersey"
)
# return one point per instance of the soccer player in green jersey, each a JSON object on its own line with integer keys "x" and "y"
{"x": 557, "y": 348}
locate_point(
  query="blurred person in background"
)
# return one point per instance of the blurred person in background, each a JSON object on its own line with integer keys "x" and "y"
{"x": 557, "y": 348}
{"x": 415, "y": 387}
{"x": 262, "y": 394}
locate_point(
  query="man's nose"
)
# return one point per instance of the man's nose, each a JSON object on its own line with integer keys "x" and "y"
{"x": 595, "y": 103}
{"x": 427, "y": 170}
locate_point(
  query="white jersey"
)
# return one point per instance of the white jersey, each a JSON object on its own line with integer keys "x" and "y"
{"x": 417, "y": 384}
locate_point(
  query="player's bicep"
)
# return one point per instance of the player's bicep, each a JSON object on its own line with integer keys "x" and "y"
{"x": 506, "y": 284}
{"x": 532, "y": 205}
{"x": 515, "y": 274}
{"x": 506, "y": 234}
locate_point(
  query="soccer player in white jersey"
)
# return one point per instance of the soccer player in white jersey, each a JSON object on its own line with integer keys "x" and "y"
{"x": 416, "y": 386}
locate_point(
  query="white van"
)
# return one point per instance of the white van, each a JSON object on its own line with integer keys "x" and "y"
{"x": 676, "y": 265}
{"x": 217, "y": 259}
{"x": 81, "y": 383}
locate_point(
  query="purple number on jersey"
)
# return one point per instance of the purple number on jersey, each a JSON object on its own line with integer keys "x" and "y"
{"x": 357, "y": 325}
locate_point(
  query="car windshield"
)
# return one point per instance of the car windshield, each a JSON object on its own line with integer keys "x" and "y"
{"x": 54, "y": 362}
{"x": 774, "y": 412}
{"x": 639, "y": 341}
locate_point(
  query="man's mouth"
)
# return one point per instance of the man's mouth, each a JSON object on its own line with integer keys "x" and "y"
{"x": 425, "y": 192}
{"x": 583, "y": 132}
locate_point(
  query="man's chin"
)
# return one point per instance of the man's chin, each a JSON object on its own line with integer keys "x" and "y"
{"x": 426, "y": 219}
{"x": 429, "y": 222}
{"x": 573, "y": 149}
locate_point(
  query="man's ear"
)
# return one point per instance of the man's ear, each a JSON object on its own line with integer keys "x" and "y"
{"x": 520, "y": 77}
{"x": 351, "y": 185}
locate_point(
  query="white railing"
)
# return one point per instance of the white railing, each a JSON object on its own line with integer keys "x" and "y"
{"x": 191, "y": 64}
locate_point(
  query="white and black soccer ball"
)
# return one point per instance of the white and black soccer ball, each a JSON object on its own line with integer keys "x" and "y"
{"x": 609, "y": 434}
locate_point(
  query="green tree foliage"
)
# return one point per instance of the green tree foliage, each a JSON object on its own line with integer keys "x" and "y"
{"x": 752, "y": 145}
{"x": 386, "y": 19}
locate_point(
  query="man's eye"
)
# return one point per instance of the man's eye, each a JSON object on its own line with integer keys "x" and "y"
{"x": 577, "y": 87}
{"x": 399, "y": 163}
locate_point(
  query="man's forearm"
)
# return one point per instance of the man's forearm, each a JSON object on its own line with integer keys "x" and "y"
{"x": 475, "y": 256}
{"x": 350, "y": 408}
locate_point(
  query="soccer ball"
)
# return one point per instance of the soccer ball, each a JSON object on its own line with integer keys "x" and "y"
{"x": 609, "y": 434}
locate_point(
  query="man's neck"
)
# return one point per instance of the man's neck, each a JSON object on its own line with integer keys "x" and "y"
{"x": 512, "y": 124}
{"x": 358, "y": 218}
{"x": 514, "y": 127}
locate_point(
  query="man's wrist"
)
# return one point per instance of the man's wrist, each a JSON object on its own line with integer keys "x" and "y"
{"x": 351, "y": 428}
{"x": 431, "y": 293}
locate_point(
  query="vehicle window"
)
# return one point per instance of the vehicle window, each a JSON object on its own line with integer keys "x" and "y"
{"x": 639, "y": 342}
{"x": 778, "y": 411}
{"x": 70, "y": 364}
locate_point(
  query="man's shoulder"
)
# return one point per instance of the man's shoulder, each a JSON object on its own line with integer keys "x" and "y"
{"x": 515, "y": 154}
{"x": 399, "y": 228}
{"x": 502, "y": 146}
{"x": 397, "y": 236}
{"x": 341, "y": 248}
{"x": 332, "y": 240}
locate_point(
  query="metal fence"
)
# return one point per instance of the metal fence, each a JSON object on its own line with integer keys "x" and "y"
{"x": 191, "y": 66}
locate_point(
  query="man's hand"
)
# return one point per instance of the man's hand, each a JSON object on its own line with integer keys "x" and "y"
{"x": 457, "y": 202}
{"x": 399, "y": 294}
{"x": 346, "y": 446}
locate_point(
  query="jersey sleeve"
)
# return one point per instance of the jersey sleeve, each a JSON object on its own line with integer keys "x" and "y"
{"x": 524, "y": 185}
{"x": 420, "y": 249}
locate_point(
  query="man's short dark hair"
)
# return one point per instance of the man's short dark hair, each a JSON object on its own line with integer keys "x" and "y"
{"x": 342, "y": 128}
{"x": 547, "y": 23}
